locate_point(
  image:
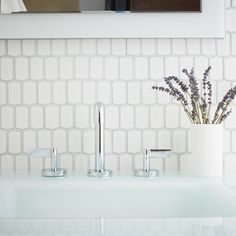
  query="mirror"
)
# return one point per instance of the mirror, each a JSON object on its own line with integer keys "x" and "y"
{"x": 50, "y": 6}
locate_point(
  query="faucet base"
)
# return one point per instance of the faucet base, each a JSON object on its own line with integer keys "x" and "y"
{"x": 102, "y": 174}
{"x": 147, "y": 174}
{"x": 54, "y": 173}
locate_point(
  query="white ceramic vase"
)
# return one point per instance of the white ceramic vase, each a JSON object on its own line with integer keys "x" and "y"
{"x": 206, "y": 145}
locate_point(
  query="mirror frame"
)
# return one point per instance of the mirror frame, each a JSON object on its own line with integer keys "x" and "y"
{"x": 210, "y": 23}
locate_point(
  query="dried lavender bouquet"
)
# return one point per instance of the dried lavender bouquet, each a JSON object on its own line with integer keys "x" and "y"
{"x": 198, "y": 105}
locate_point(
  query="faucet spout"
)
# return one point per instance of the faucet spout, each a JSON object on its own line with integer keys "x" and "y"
{"x": 99, "y": 120}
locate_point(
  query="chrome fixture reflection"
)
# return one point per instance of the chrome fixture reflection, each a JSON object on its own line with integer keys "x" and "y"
{"x": 55, "y": 170}
{"x": 148, "y": 154}
{"x": 99, "y": 120}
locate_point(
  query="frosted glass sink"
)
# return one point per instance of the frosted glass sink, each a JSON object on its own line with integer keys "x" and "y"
{"x": 118, "y": 197}
{"x": 77, "y": 205}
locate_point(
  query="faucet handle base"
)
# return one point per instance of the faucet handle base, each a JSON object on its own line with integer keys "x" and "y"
{"x": 147, "y": 174}
{"x": 101, "y": 174}
{"x": 54, "y": 173}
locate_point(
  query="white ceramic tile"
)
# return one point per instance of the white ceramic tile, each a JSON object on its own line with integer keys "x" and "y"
{"x": 66, "y": 116}
{"x": 172, "y": 116}
{"x": 185, "y": 162}
{"x": 22, "y": 68}
{"x": 229, "y": 123}
{"x": 14, "y": 93}
{"x": 82, "y": 67}
{"x": 108, "y": 141}
{"x": 149, "y": 139}
{"x": 44, "y": 93}
{"x": 14, "y": 47}
{"x": 7, "y": 117}
{"x": 231, "y": 20}
{"x": 36, "y": 116}
{"x": 112, "y": 117}
{"x": 179, "y": 46}
{"x": 223, "y": 87}
{"x": 126, "y": 68}
{"x": 88, "y": 142}
{"x": 51, "y": 117}
{"x": 179, "y": 141}
{"x": 22, "y": 163}
{"x": 51, "y": 68}
{"x": 230, "y": 68}
{"x": 208, "y": 47}
{"x": 81, "y": 163}
{"x": 44, "y": 138}
{"x": 234, "y": 43}
{"x": 82, "y": 116}
{"x": 163, "y": 46}
{"x": 89, "y": 92}
{"x": 88, "y": 46}
{"x": 44, "y": 48}
{"x": 193, "y": 46}
{"x": 119, "y": 92}
{"x": 66, "y": 161}
{"x": 184, "y": 120}
{"x": 134, "y": 92}
{"x": 96, "y": 67}
{"x": 29, "y": 92}
{"x": 149, "y": 96}
{"x": 36, "y": 68}
{"x": 148, "y": 46}
{"x": 111, "y": 68}
{"x": 201, "y": 64}
{"x": 29, "y": 141}
{"x": 230, "y": 162}
{"x": 223, "y": 45}
{"x": 59, "y": 92}
{"x": 2, "y": 47}
{"x": 103, "y": 47}
{"x": 217, "y": 68}
{"x": 157, "y": 117}
{"x": 28, "y": 47}
{"x": 141, "y": 68}
{"x": 104, "y": 92}
{"x": 3, "y": 138}
{"x": 22, "y": 115}
{"x": 141, "y": 117}
{"x": 185, "y": 63}
{"x": 73, "y": 46}
{"x": 14, "y": 142}
{"x": 164, "y": 139}
{"x": 6, "y": 65}
{"x": 227, "y": 140}
{"x": 134, "y": 141}
{"x": 59, "y": 140}
{"x": 133, "y": 46}
{"x": 171, "y": 66}
{"x": 3, "y": 92}
{"x": 119, "y": 141}
{"x": 58, "y": 47}
{"x": 156, "y": 68}
{"x": 74, "y": 92}
{"x": 233, "y": 141}
{"x": 126, "y": 162}
{"x": 7, "y": 162}
{"x": 75, "y": 141}
{"x": 127, "y": 117}
{"x": 118, "y": 47}
{"x": 66, "y": 67}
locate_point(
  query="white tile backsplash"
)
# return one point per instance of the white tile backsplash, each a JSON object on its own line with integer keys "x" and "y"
{"x": 48, "y": 89}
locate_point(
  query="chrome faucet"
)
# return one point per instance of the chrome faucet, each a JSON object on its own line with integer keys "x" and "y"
{"x": 99, "y": 120}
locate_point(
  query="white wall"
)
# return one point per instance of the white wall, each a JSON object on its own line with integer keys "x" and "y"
{"x": 48, "y": 89}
